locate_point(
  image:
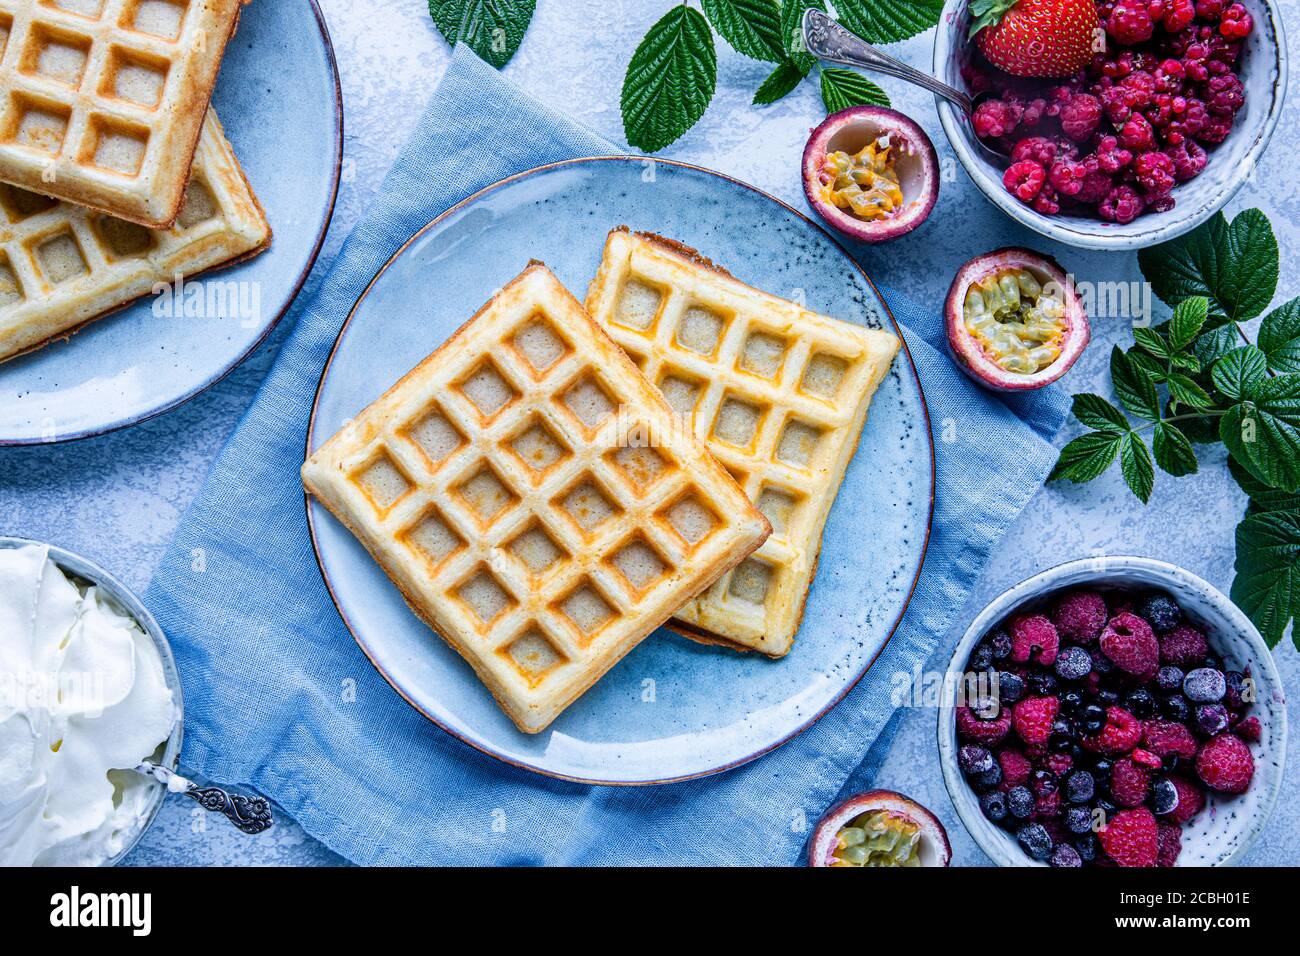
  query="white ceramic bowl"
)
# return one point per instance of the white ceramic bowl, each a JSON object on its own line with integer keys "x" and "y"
{"x": 1222, "y": 833}
{"x": 1263, "y": 72}
{"x": 84, "y": 570}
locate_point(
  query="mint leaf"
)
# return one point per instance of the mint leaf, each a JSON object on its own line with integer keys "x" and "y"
{"x": 1279, "y": 337}
{"x": 1267, "y": 586}
{"x": 1189, "y": 316}
{"x": 1149, "y": 340}
{"x": 1174, "y": 453}
{"x": 888, "y": 21}
{"x": 491, "y": 28}
{"x": 1185, "y": 391}
{"x": 1263, "y": 434}
{"x": 780, "y": 82}
{"x": 670, "y": 81}
{"x": 792, "y": 12}
{"x": 752, "y": 27}
{"x": 1097, "y": 413}
{"x": 1133, "y": 387}
{"x": 1239, "y": 372}
{"x": 844, "y": 88}
{"x": 1135, "y": 463}
{"x": 1086, "y": 457}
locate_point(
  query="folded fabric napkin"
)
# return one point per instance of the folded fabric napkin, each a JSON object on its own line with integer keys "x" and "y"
{"x": 265, "y": 658}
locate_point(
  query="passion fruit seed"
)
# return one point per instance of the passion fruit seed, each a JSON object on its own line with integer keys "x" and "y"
{"x": 865, "y": 183}
{"x": 1019, "y": 324}
{"x": 879, "y": 838}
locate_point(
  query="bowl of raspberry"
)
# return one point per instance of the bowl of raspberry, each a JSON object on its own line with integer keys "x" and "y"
{"x": 1125, "y": 123}
{"x": 1115, "y": 711}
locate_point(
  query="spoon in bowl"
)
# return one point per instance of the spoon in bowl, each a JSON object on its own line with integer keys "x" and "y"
{"x": 251, "y": 815}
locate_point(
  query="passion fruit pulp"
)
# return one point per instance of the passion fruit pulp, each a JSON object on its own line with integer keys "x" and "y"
{"x": 879, "y": 828}
{"x": 871, "y": 173}
{"x": 1015, "y": 320}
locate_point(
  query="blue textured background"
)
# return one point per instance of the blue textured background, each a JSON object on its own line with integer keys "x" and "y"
{"x": 117, "y": 499}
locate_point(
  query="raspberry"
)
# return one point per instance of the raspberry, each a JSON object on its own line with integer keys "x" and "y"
{"x": 1130, "y": 23}
{"x": 1129, "y": 783}
{"x": 1155, "y": 173}
{"x": 1111, "y": 157}
{"x": 1169, "y": 843}
{"x": 1024, "y": 179}
{"x": 1015, "y": 768}
{"x": 1210, "y": 9}
{"x": 1033, "y": 637}
{"x": 986, "y": 732}
{"x": 1033, "y": 718}
{"x": 1121, "y": 734}
{"x": 1059, "y": 764}
{"x": 1184, "y": 647}
{"x": 994, "y": 118}
{"x": 1145, "y": 758}
{"x": 1081, "y": 116}
{"x": 1249, "y": 729}
{"x": 1138, "y": 88}
{"x": 1224, "y": 95}
{"x": 1080, "y": 616}
{"x": 1039, "y": 149}
{"x": 1165, "y": 737}
{"x": 1137, "y": 136}
{"x": 1048, "y": 806}
{"x": 1215, "y": 130}
{"x": 1128, "y": 640}
{"x": 1190, "y": 800}
{"x": 1047, "y": 202}
{"x": 1131, "y": 838}
{"x": 1096, "y": 187}
{"x": 1114, "y": 101}
{"x": 1179, "y": 15}
{"x": 1225, "y": 764}
{"x": 1236, "y": 22}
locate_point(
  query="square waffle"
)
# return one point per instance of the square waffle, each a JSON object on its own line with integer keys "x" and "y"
{"x": 101, "y": 101}
{"x": 778, "y": 393}
{"x": 534, "y": 498}
{"x": 62, "y": 266}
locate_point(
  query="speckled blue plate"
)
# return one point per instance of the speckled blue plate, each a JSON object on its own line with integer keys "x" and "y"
{"x": 278, "y": 86}
{"x": 671, "y": 709}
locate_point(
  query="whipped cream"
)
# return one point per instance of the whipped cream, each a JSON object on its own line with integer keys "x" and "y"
{"x": 83, "y": 699}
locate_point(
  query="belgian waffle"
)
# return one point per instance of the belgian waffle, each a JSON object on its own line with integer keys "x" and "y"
{"x": 62, "y": 266}
{"x": 778, "y": 393}
{"x": 534, "y": 498}
{"x": 103, "y": 100}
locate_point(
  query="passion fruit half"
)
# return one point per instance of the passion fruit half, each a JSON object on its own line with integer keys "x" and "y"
{"x": 1015, "y": 320}
{"x": 871, "y": 173}
{"x": 879, "y": 828}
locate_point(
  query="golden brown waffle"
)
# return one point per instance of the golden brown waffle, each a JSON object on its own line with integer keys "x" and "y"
{"x": 534, "y": 498}
{"x": 101, "y": 101}
{"x": 62, "y": 266}
{"x": 778, "y": 393}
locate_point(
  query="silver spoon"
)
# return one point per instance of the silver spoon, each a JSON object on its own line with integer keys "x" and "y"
{"x": 251, "y": 815}
{"x": 827, "y": 40}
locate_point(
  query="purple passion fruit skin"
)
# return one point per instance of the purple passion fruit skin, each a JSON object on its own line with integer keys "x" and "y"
{"x": 890, "y": 160}
{"x": 879, "y": 828}
{"x": 1015, "y": 320}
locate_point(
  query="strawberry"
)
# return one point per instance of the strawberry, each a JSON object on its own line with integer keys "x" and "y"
{"x": 1036, "y": 37}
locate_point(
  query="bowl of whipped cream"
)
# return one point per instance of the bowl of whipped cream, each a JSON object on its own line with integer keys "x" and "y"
{"x": 88, "y": 690}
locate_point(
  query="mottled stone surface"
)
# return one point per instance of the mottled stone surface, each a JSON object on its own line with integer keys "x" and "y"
{"x": 117, "y": 498}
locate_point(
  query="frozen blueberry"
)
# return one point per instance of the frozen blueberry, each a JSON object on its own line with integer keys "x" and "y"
{"x": 987, "y": 779}
{"x": 1066, "y": 855}
{"x": 1094, "y": 718}
{"x": 974, "y": 759}
{"x": 1237, "y": 685}
{"x": 1011, "y": 687}
{"x": 1164, "y": 797}
{"x": 1204, "y": 685}
{"x": 1073, "y": 663}
{"x": 1078, "y": 819}
{"x": 994, "y": 805}
{"x": 1043, "y": 783}
{"x": 1042, "y": 683}
{"x": 1080, "y": 786}
{"x": 1020, "y": 803}
{"x": 1211, "y": 719}
{"x": 1160, "y": 612}
{"x": 1086, "y": 845}
{"x": 1000, "y": 644}
{"x": 1140, "y": 703}
{"x": 1175, "y": 707}
{"x": 1071, "y": 701}
{"x": 981, "y": 658}
{"x": 1169, "y": 679}
{"x": 1035, "y": 841}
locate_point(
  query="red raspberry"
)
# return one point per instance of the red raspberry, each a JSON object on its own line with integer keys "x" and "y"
{"x": 1215, "y": 130}
{"x": 1033, "y": 636}
{"x": 1033, "y": 718}
{"x": 1155, "y": 174}
{"x": 1114, "y": 100}
{"x": 1190, "y": 800}
{"x": 1015, "y": 769}
{"x": 1145, "y": 758}
{"x": 985, "y": 732}
{"x": 1184, "y": 647}
{"x": 1169, "y": 843}
{"x": 1047, "y": 202}
{"x": 994, "y": 118}
{"x": 1024, "y": 179}
{"x": 1111, "y": 157}
{"x": 1236, "y": 22}
{"x": 1225, "y": 764}
{"x": 1210, "y": 9}
{"x": 1128, "y": 640}
{"x": 1096, "y": 187}
{"x": 1161, "y": 203}
{"x": 1165, "y": 737}
{"x": 1048, "y": 806}
{"x": 1040, "y": 149}
{"x": 1081, "y": 116}
{"x": 1131, "y": 838}
{"x": 1066, "y": 177}
{"x": 1179, "y": 15}
{"x": 1059, "y": 764}
{"x": 1224, "y": 95}
{"x": 1130, "y": 22}
{"x": 1129, "y": 783}
{"x": 1121, "y": 734}
{"x": 1137, "y": 136}
{"x": 1249, "y": 729}
{"x": 1080, "y": 616}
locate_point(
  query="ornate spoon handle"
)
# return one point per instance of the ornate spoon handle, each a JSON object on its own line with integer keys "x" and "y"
{"x": 251, "y": 815}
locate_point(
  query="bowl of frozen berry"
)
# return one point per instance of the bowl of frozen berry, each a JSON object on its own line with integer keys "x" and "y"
{"x": 1115, "y": 711}
{"x": 1121, "y": 123}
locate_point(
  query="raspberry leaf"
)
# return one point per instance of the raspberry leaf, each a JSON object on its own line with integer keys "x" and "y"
{"x": 670, "y": 81}
{"x": 1267, "y": 585}
{"x": 1097, "y": 413}
{"x": 844, "y": 88}
{"x": 779, "y": 83}
{"x": 1262, "y": 497}
{"x": 752, "y": 27}
{"x": 888, "y": 21}
{"x": 792, "y": 12}
{"x": 1174, "y": 453}
{"x": 1189, "y": 317}
{"x": 1279, "y": 337}
{"x": 1240, "y": 372}
{"x": 1135, "y": 463}
{"x": 1185, "y": 390}
{"x": 492, "y": 29}
{"x": 1087, "y": 457}
{"x": 1263, "y": 433}
{"x": 1149, "y": 340}
{"x": 1134, "y": 388}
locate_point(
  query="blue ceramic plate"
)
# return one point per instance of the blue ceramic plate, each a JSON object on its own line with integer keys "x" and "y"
{"x": 671, "y": 709}
{"x": 134, "y": 365}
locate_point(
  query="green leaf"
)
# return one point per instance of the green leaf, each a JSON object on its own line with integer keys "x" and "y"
{"x": 1214, "y": 345}
{"x": 1189, "y": 316}
{"x": 1239, "y": 373}
{"x": 1149, "y": 364}
{"x": 1174, "y": 453}
{"x": 752, "y": 27}
{"x": 780, "y": 82}
{"x": 1186, "y": 363}
{"x": 792, "y": 12}
{"x": 987, "y": 13}
{"x": 1097, "y": 413}
{"x": 1262, "y": 497}
{"x": 670, "y": 80}
{"x": 1264, "y": 434}
{"x": 491, "y": 28}
{"x": 1252, "y": 266}
{"x": 1185, "y": 391}
{"x": 1135, "y": 463}
{"x": 1086, "y": 457}
{"x": 844, "y": 88}
{"x": 1188, "y": 266}
{"x": 1279, "y": 337}
{"x": 1149, "y": 340}
{"x": 888, "y": 21}
{"x": 1267, "y": 586}
{"x": 1133, "y": 387}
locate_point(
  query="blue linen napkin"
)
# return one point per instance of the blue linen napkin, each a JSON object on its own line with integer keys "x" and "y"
{"x": 267, "y": 662}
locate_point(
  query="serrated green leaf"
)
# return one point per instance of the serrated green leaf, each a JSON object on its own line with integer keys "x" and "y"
{"x": 670, "y": 81}
{"x": 1262, "y": 497}
{"x": 1186, "y": 363}
{"x": 1188, "y": 266}
{"x": 1239, "y": 373}
{"x": 1263, "y": 434}
{"x": 752, "y": 27}
{"x": 792, "y": 13}
{"x": 1279, "y": 337}
{"x": 888, "y": 21}
{"x": 1133, "y": 387}
{"x": 1086, "y": 457}
{"x": 1185, "y": 391}
{"x": 1135, "y": 463}
{"x": 1188, "y": 318}
{"x": 1214, "y": 345}
{"x": 844, "y": 88}
{"x": 1251, "y": 266}
{"x": 491, "y": 28}
{"x": 1149, "y": 364}
{"x": 1151, "y": 341}
{"x": 780, "y": 82}
{"x": 1174, "y": 453}
{"x": 1097, "y": 413}
{"x": 1267, "y": 585}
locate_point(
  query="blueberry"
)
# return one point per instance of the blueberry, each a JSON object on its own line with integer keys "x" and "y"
{"x": 1102, "y": 664}
{"x": 1213, "y": 661}
{"x": 1160, "y": 612}
{"x": 1107, "y": 808}
{"x": 1237, "y": 685}
{"x": 1211, "y": 719}
{"x": 1175, "y": 707}
{"x": 1034, "y": 840}
{"x": 1086, "y": 845}
{"x": 1101, "y": 769}
{"x": 1140, "y": 703}
{"x": 1042, "y": 683}
{"x": 1043, "y": 783}
{"x": 974, "y": 759}
{"x": 1000, "y": 644}
{"x": 1169, "y": 679}
{"x": 981, "y": 658}
{"x": 994, "y": 805}
{"x": 1204, "y": 685}
{"x": 1164, "y": 797}
{"x": 1078, "y": 819}
{"x": 1080, "y": 786}
{"x": 1071, "y": 701}
{"x": 1094, "y": 718}
{"x": 1011, "y": 687}
{"x": 1073, "y": 663}
{"x": 987, "y": 779}
{"x": 1107, "y": 697}
{"x": 1020, "y": 803}
{"x": 1066, "y": 855}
